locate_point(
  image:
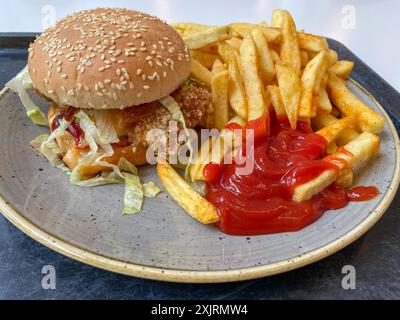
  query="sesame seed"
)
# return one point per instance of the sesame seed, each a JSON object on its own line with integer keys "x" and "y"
{"x": 139, "y": 72}
{"x": 64, "y": 76}
{"x": 121, "y": 61}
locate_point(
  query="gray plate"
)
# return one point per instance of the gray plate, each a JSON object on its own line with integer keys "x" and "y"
{"x": 163, "y": 242}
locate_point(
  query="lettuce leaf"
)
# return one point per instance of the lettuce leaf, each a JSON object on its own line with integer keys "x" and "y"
{"x": 133, "y": 199}
{"x": 50, "y": 150}
{"x": 105, "y": 126}
{"x": 150, "y": 190}
{"x": 92, "y": 135}
{"x": 20, "y": 84}
{"x": 174, "y": 109}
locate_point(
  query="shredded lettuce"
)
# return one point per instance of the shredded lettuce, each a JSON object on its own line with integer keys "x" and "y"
{"x": 50, "y": 150}
{"x": 105, "y": 126}
{"x": 20, "y": 84}
{"x": 150, "y": 190}
{"x": 133, "y": 199}
{"x": 174, "y": 109}
{"x": 92, "y": 135}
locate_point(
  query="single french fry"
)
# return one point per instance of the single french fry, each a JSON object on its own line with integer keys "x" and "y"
{"x": 350, "y": 105}
{"x": 218, "y": 67}
{"x": 206, "y": 37}
{"x": 234, "y": 42}
{"x": 249, "y": 65}
{"x": 310, "y": 42}
{"x": 206, "y": 59}
{"x": 345, "y": 179}
{"x": 237, "y": 93}
{"x": 190, "y": 28}
{"x": 323, "y": 120}
{"x": 290, "y": 89}
{"x": 244, "y": 29}
{"x": 220, "y": 98}
{"x": 332, "y": 57}
{"x": 342, "y": 69}
{"x": 332, "y": 148}
{"x": 308, "y": 83}
{"x": 305, "y": 58}
{"x": 357, "y": 151}
{"x": 275, "y": 56}
{"x": 277, "y": 18}
{"x": 276, "y": 101}
{"x": 189, "y": 199}
{"x": 267, "y": 65}
{"x": 290, "y": 50}
{"x": 333, "y": 131}
{"x": 200, "y": 72}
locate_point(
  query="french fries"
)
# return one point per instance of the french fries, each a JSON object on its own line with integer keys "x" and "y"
{"x": 268, "y": 71}
{"x": 290, "y": 50}
{"x": 250, "y": 69}
{"x": 290, "y": 89}
{"x": 309, "y": 82}
{"x": 332, "y": 131}
{"x": 188, "y": 198}
{"x": 237, "y": 93}
{"x": 206, "y": 59}
{"x": 361, "y": 149}
{"x": 244, "y": 29}
{"x": 348, "y": 103}
{"x": 200, "y": 72}
{"x": 276, "y": 100}
{"x": 206, "y": 37}
{"x": 219, "y": 87}
{"x": 342, "y": 69}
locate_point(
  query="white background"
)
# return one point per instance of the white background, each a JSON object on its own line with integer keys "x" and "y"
{"x": 370, "y": 28}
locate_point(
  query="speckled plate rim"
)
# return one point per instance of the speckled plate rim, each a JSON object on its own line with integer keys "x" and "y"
{"x": 183, "y": 276}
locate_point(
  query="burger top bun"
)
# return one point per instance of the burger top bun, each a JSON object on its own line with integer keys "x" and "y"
{"x": 108, "y": 59}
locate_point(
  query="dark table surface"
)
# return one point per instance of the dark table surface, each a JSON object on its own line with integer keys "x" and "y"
{"x": 376, "y": 256}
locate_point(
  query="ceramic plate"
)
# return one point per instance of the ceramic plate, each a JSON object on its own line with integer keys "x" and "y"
{"x": 163, "y": 242}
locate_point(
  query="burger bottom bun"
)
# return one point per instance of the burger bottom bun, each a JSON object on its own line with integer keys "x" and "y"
{"x": 72, "y": 155}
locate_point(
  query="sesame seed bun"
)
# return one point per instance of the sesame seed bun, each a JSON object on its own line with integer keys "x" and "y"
{"x": 108, "y": 59}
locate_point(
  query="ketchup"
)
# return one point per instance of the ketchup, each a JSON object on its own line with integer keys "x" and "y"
{"x": 261, "y": 203}
{"x": 74, "y": 129}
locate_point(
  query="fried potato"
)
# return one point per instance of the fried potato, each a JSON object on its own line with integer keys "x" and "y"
{"x": 345, "y": 179}
{"x": 235, "y": 43}
{"x": 308, "y": 83}
{"x": 311, "y": 42}
{"x": 267, "y": 65}
{"x": 206, "y": 37}
{"x": 276, "y": 100}
{"x": 277, "y": 18}
{"x": 275, "y": 56}
{"x": 321, "y": 100}
{"x": 219, "y": 86}
{"x": 332, "y": 57}
{"x": 333, "y": 131}
{"x": 250, "y": 70}
{"x": 342, "y": 69}
{"x": 290, "y": 89}
{"x": 200, "y": 72}
{"x": 323, "y": 120}
{"x": 244, "y": 29}
{"x": 305, "y": 58}
{"x": 206, "y": 59}
{"x": 360, "y": 150}
{"x": 290, "y": 50}
{"x": 190, "y": 28}
{"x": 188, "y": 198}
{"x": 347, "y": 102}
{"x": 218, "y": 67}
{"x": 237, "y": 93}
